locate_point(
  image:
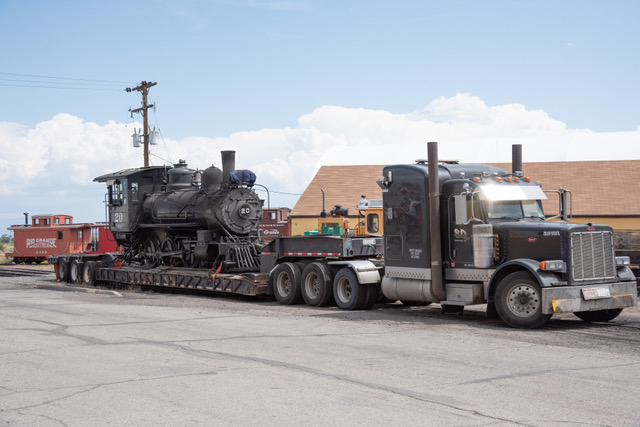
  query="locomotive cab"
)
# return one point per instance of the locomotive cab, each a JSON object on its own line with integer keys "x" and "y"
{"x": 126, "y": 190}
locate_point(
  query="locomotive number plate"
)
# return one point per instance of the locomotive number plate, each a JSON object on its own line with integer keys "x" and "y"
{"x": 596, "y": 293}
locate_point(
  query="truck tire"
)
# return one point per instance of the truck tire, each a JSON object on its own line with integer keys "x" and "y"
{"x": 599, "y": 315}
{"x": 285, "y": 282}
{"x": 518, "y": 301}
{"x": 316, "y": 285}
{"x": 75, "y": 271}
{"x": 63, "y": 270}
{"x": 89, "y": 273}
{"x": 372, "y": 296}
{"x": 347, "y": 291}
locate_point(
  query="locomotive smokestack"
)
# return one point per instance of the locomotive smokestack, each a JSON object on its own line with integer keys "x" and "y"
{"x": 516, "y": 158}
{"x": 228, "y": 164}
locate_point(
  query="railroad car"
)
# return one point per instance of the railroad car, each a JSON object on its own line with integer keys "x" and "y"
{"x": 49, "y": 235}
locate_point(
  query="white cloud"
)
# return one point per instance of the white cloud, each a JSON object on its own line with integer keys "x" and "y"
{"x": 51, "y": 166}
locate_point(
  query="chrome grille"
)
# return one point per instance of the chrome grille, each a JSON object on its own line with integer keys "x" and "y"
{"x": 592, "y": 256}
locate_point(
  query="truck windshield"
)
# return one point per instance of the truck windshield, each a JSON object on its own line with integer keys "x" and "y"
{"x": 514, "y": 210}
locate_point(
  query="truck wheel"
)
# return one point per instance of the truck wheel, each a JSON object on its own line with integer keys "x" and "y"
{"x": 316, "y": 285}
{"x": 519, "y": 301}
{"x": 285, "y": 282}
{"x": 63, "y": 270}
{"x": 372, "y": 296}
{"x": 75, "y": 271}
{"x": 348, "y": 292}
{"x": 89, "y": 273}
{"x": 599, "y": 315}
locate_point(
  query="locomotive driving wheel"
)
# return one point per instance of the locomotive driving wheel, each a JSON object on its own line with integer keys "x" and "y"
{"x": 151, "y": 251}
{"x": 168, "y": 248}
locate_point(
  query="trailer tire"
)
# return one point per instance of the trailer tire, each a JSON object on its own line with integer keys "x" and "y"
{"x": 75, "y": 271}
{"x": 89, "y": 273}
{"x": 63, "y": 270}
{"x": 285, "y": 282}
{"x": 347, "y": 291}
{"x": 599, "y": 315}
{"x": 518, "y": 301}
{"x": 316, "y": 285}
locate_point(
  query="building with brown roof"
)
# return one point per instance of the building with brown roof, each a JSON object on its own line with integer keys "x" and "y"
{"x": 605, "y": 192}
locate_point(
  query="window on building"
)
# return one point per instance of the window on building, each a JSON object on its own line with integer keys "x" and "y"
{"x": 79, "y": 234}
{"x": 59, "y": 235}
{"x": 67, "y": 220}
{"x": 56, "y": 220}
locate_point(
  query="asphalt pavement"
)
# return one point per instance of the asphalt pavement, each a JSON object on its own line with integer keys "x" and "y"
{"x": 77, "y": 357}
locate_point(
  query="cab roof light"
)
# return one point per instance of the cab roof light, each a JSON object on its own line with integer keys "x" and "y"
{"x": 477, "y": 179}
{"x": 526, "y": 178}
{"x": 508, "y": 178}
{"x": 498, "y": 178}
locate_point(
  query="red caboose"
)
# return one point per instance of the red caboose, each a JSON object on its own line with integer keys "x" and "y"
{"x": 56, "y": 235}
{"x": 275, "y": 222}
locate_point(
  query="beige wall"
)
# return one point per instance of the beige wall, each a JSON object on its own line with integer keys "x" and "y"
{"x": 300, "y": 225}
{"x": 616, "y": 223}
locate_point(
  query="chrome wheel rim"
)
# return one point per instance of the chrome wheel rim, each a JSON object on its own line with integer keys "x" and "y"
{"x": 523, "y": 300}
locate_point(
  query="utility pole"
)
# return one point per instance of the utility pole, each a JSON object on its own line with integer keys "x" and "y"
{"x": 144, "y": 88}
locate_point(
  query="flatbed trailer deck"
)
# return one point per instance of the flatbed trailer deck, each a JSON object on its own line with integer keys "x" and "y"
{"x": 252, "y": 284}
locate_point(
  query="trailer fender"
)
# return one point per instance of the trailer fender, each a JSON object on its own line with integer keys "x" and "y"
{"x": 366, "y": 271}
{"x": 544, "y": 278}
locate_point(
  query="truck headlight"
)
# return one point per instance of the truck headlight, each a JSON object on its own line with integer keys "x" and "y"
{"x": 553, "y": 265}
{"x": 623, "y": 261}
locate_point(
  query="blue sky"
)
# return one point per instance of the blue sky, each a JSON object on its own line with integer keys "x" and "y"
{"x": 227, "y": 71}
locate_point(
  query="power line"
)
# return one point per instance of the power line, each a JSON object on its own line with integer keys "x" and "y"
{"x": 281, "y": 192}
{"x": 49, "y": 82}
{"x": 63, "y": 78}
{"x": 59, "y": 87}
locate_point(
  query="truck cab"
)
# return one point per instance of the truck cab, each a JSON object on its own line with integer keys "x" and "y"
{"x": 495, "y": 246}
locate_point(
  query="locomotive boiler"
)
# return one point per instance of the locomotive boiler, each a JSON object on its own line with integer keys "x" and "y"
{"x": 180, "y": 216}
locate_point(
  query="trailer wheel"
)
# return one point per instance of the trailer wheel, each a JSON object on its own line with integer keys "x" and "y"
{"x": 285, "y": 282}
{"x": 316, "y": 285}
{"x": 63, "y": 270}
{"x": 599, "y": 315}
{"x": 89, "y": 273}
{"x": 75, "y": 271}
{"x": 348, "y": 292}
{"x": 518, "y": 301}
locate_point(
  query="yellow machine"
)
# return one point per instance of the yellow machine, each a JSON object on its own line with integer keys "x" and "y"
{"x": 370, "y": 221}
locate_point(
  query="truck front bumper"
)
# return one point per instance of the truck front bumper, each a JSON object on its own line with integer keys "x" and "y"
{"x": 569, "y": 299}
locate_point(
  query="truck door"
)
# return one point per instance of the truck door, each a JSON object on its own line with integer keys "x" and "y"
{"x": 465, "y": 210}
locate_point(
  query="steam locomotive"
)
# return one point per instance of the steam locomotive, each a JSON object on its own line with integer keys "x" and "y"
{"x": 177, "y": 216}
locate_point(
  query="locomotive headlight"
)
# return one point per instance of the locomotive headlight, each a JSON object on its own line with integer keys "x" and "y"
{"x": 623, "y": 261}
{"x": 553, "y": 265}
